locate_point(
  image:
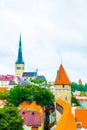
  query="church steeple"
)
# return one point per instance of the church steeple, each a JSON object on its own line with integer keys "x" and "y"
{"x": 20, "y": 58}
{"x": 19, "y": 64}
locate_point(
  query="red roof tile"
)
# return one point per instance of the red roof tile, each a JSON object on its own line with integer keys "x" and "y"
{"x": 61, "y": 77}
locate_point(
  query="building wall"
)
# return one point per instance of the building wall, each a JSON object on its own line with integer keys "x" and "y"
{"x": 58, "y": 116}
{"x": 31, "y": 77}
{"x": 63, "y": 92}
{"x": 19, "y": 69}
{"x": 4, "y": 83}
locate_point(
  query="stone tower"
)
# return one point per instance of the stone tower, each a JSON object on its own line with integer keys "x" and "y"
{"x": 19, "y": 64}
{"x": 62, "y": 86}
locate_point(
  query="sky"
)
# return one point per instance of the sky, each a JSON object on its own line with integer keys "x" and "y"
{"x": 52, "y": 31}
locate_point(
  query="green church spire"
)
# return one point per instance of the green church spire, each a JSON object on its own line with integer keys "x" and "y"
{"x": 20, "y": 59}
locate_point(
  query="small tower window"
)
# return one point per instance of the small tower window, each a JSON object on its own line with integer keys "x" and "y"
{"x": 66, "y": 98}
{"x": 63, "y": 86}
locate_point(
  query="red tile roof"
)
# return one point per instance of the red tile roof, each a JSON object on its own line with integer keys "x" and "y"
{"x": 3, "y": 78}
{"x": 61, "y": 77}
{"x": 8, "y": 77}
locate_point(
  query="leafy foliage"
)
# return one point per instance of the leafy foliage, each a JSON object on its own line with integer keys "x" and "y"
{"x": 30, "y": 93}
{"x": 38, "y": 81}
{"x": 78, "y": 87}
{"x": 2, "y": 95}
{"x": 15, "y": 95}
{"x": 82, "y": 93}
{"x": 75, "y": 101}
{"x": 85, "y": 88}
{"x": 10, "y": 119}
{"x": 74, "y": 86}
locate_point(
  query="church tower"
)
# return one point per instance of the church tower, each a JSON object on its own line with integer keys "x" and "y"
{"x": 62, "y": 86}
{"x": 19, "y": 64}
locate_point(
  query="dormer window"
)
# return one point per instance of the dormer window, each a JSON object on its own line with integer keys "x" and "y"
{"x": 23, "y": 112}
{"x": 33, "y": 113}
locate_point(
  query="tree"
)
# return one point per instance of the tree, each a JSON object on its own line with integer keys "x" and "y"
{"x": 10, "y": 119}
{"x": 38, "y": 94}
{"x": 82, "y": 93}
{"x": 2, "y": 95}
{"x": 78, "y": 87}
{"x": 75, "y": 101}
{"x": 30, "y": 93}
{"x": 85, "y": 87}
{"x": 39, "y": 81}
{"x": 74, "y": 86}
{"x": 15, "y": 95}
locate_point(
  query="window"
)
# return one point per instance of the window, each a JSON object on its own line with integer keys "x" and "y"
{"x": 23, "y": 112}
{"x": 66, "y": 98}
{"x": 59, "y": 108}
{"x": 18, "y": 68}
{"x": 32, "y": 113}
{"x": 63, "y": 85}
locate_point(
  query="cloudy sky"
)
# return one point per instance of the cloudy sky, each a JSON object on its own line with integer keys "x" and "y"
{"x": 53, "y": 32}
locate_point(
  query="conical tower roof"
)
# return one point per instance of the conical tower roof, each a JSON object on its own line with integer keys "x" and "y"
{"x": 20, "y": 58}
{"x": 61, "y": 78}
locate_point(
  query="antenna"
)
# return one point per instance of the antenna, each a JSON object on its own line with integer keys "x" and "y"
{"x": 61, "y": 60}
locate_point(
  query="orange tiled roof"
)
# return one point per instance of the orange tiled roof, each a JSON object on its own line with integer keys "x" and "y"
{"x": 3, "y": 90}
{"x": 24, "y": 105}
{"x": 31, "y": 106}
{"x": 61, "y": 77}
{"x": 81, "y": 116}
{"x": 67, "y": 121}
